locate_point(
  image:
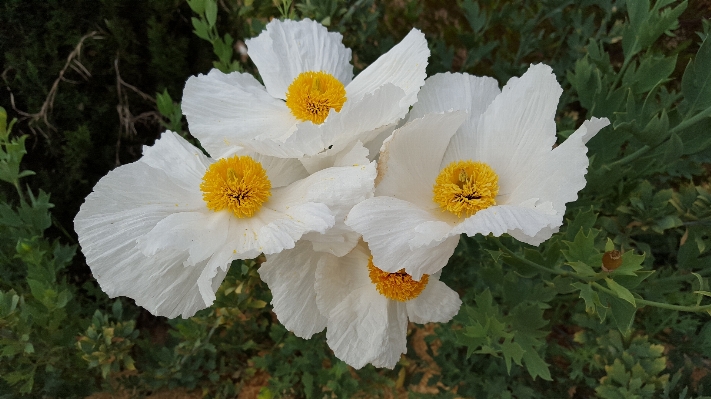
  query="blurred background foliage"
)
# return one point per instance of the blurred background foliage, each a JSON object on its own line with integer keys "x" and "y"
{"x": 87, "y": 83}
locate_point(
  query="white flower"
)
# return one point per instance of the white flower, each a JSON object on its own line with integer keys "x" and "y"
{"x": 163, "y": 230}
{"x": 310, "y": 101}
{"x": 364, "y": 309}
{"x": 491, "y": 170}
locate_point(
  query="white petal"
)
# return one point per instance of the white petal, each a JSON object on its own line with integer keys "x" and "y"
{"x": 410, "y": 159}
{"x": 281, "y": 171}
{"x": 519, "y": 126}
{"x": 353, "y": 154}
{"x": 356, "y": 121}
{"x": 448, "y": 91}
{"x": 557, "y": 176}
{"x": 340, "y": 239}
{"x": 337, "y": 277}
{"x": 401, "y": 235}
{"x": 363, "y": 326}
{"x": 337, "y": 187}
{"x": 125, "y": 205}
{"x": 590, "y": 128}
{"x": 184, "y": 163}
{"x": 524, "y": 220}
{"x": 291, "y": 275}
{"x": 201, "y": 234}
{"x": 271, "y": 231}
{"x": 404, "y": 66}
{"x": 455, "y": 91}
{"x": 287, "y": 48}
{"x": 436, "y": 304}
{"x": 367, "y": 328}
{"x": 234, "y": 109}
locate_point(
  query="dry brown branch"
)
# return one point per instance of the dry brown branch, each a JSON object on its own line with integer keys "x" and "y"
{"x": 46, "y": 109}
{"x": 127, "y": 121}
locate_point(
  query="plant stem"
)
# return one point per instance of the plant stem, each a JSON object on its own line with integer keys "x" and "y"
{"x": 694, "y": 119}
{"x": 639, "y": 301}
{"x": 657, "y": 304}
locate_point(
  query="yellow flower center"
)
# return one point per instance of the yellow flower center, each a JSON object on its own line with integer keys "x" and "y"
{"x": 312, "y": 95}
{"x": 238, "y": 183}
{"x": 398, "y": 286}
{"x": 466, "y": 187}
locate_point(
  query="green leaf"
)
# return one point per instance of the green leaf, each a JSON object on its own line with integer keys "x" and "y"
{"x": 582, "y": 268}
{"x": 621, "y": 291}
{"x": 646, "y": 25}
{"x": 674, "y": 149}
{"x": 622, "y": 311}
{"x": 211, "y": 12}
{"x": 201, "y": 29}
{"x": 512, "y": 351}
{"x": 583, "y": 250}
{"x": 630, "y": 264}
{"x": 198, "y": 6}
{"x": 696, "y": 82}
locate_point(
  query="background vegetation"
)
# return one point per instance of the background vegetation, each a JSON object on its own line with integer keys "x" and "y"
{"x": 87, "y": 83}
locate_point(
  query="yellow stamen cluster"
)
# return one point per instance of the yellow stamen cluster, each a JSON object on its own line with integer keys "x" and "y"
{"x": 398, "y": 286}
{"x": 311, "y": 96}
{"x": 239, "y": 184}
{"x": 466, "y": 187}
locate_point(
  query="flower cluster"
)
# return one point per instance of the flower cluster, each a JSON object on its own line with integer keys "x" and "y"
{"x": 355, "y": 189}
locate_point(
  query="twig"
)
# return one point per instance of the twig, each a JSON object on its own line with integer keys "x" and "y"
{"x": 46, "y": 109}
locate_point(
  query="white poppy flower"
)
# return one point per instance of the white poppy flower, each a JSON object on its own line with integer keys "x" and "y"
{"x": 164, "y": 229}
{"x": 495, "y": 173}
{"x": 364, "y": 309}
{"x": 310, "y": 101}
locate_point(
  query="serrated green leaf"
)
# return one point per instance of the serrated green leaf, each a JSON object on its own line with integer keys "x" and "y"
{"x": 582, "y": 251}
{"x": 587, "y": 293}
{"x": 512, "y": 351}
{"x": 630, "y": 264}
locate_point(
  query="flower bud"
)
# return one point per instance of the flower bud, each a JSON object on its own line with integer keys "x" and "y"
{"x": 611, "y": 260}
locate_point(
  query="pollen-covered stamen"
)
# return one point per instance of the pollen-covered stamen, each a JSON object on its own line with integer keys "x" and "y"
{"x": 238, "y": 183}
{"x": 397, "y": 286}
{"x": 466, "y": 187}
{"x": 311, "y": 96}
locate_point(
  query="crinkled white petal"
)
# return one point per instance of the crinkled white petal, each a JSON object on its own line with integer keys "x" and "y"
{"x": 291, "y": 275}
{"x": 354, "y": 122}
{"x": 402, "y": 235}
{"x": 224, "y": 110}
{"x": 367, "y": 328}
{"x": 404, "y": 66}
{"x": 337, "y": 277}
{"x": 201, "y": 234}
{"x": 591, "y": 127}
{"x": 518, "y": 127}
{"x": 559, "y": 175}
{"x": 525, "y": 219}
{"x": 410, "y": 159}
{"x": 456, "y": 91}
{"x": 436, "y": 304}
{"x": 340, "y": 239}
{"x": 124, "y": 207}
{"x": 363, "y": 326}
{"x": 280, "y": 171}
{"x": 287, "y": 48}
{"x": 370, "y": 140}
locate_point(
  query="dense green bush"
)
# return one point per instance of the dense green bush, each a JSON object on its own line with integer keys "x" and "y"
{"x": 89, "y": 82}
